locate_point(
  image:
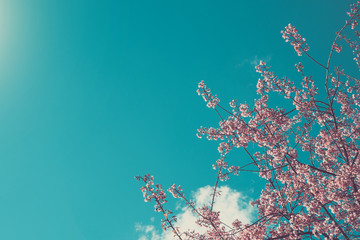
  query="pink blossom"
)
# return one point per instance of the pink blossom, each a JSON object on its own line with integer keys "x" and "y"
{"x": 296, "y": 40}
{"x": 337, "y": 48}
{"x": 307, "y": 152}
{"x": 208, "y": 97}
{"x": 299, "y": 67}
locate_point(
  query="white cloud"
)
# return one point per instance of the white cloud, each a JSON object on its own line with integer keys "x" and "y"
{"x": 231, "y": 204}
{"x": 148, "y": 232}
{"x": 253, "y": 61}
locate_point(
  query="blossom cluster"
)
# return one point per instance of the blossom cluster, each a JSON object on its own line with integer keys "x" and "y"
{"x": 152, "y": 191}
{"x": 307, "y": 151}
{"x": 290, "y": 34}
{"x": 205, "y": 92}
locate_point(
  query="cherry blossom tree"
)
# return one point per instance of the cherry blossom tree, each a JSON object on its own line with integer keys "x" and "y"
{"x": 307, "y": 154}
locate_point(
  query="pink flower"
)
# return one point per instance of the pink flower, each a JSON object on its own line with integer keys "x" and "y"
{"x": 296, "y": 40}
{"x": 299, "y": 67}
{"x": 307, "y": 151}
{"x": 208, "y": 97}
{"x": 337, "y": 48}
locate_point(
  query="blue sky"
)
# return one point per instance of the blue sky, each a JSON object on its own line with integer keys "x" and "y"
{"x": 93, "y": 93}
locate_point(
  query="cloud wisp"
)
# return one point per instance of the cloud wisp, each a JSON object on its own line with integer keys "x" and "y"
{"x": 253, "y": 61}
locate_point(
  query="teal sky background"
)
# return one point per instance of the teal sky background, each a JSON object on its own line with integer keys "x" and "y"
{"x": 93, "y": 93}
